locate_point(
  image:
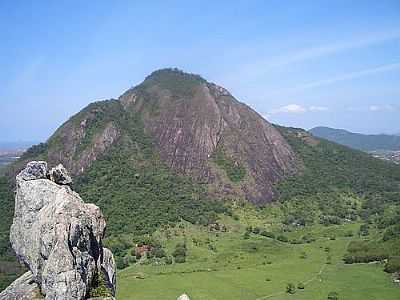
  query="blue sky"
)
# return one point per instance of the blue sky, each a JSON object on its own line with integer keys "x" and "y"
{"x": 299, "y": 63}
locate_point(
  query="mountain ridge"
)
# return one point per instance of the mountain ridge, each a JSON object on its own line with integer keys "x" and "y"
{"x": 190, "y": 121}
{"x": 365, "y": 142}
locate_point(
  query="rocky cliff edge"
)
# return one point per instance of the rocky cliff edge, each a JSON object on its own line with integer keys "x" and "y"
{"x": 59, "y": 238}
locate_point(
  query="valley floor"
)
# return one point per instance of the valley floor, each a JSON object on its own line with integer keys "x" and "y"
{"x": 258, "y": 268}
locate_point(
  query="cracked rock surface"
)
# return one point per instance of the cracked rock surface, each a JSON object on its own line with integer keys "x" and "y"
{"x": 57, "y": 236}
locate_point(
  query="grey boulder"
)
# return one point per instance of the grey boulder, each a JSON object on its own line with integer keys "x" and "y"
{"x": 60, "y": 175}
{"x": 34, "y": 170}
{"x": 24, "y": 288}
{"x": 59, "y": 237}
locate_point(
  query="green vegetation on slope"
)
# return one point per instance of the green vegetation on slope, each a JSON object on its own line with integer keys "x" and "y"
{"x": 234, "y": 170}
{"x": 330, "y": 167}
{"x": 137, "y": 192}
{"x": 175, "y": 80}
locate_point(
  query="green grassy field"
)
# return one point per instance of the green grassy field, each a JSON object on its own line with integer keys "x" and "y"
{"x": 258, "y": 267}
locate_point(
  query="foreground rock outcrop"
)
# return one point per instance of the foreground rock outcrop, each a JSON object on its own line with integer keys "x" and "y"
{"x": 58, "y": 237}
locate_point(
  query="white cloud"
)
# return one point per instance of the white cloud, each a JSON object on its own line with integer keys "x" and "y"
{"x": 374, "y": 108}
{"x": 290, "y": 108}
{"x": 297, "y": 109}
{"x": 318, "y": 108}
{"x": 343, "y": 77}
{"x": 263, "y": 66}
{"x": 300, "y": 55}
{"x": 349, "y": 76}
{"x": 386, "y": 107}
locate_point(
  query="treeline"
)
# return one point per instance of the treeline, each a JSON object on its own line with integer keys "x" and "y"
{"x": 375, "y": 251}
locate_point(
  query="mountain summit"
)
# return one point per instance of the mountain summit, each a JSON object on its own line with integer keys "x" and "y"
{"x": 201, "y": 130}
{"x": 198, "y": 129}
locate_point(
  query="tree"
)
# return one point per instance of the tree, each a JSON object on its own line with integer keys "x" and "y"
{"x": 179, "y": 253}
{"x": 364, "y": 230}
{"x": 282, "y": 238}
{"x": 300, "y": 286}
{"x": 121, "y": 262}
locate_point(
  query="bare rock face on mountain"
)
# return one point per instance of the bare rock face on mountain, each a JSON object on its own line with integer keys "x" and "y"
{"x": 58, "y": 236}
{"x": 201, "y": 130}
{"x": 198, "y": 129}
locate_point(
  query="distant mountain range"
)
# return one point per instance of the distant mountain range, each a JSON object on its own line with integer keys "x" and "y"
{"x": 365, "y": 142}
{"x": 16, "y": 145}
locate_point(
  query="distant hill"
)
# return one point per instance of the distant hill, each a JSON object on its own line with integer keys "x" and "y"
{"x": 16, "y": 145}
{"x": 370, "y": 142}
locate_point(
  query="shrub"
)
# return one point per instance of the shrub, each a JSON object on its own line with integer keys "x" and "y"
{"x": 393, "y": 264}
{"x": 300, "y": 286}
{"x": 308, "y": 238}
{"x": 168, "y": 260}
{"x": 391, "y": 233}
{"x": 99, "y": 288}
{"x": 282, "y": 238}
{"x": 364, "y": 230}
{"x": 179, "y": 253}
{"x": 329, "y": 260}
{"x": 303, "y": 255}
{"x": 290, "y": 288}
{"x": 180, "y": 259}
{"x": 121, "y": 262}
{"x": 268, "y": 234}
{"x": 349, "y": 234}
{"x": 132, "y": 259}
{"x": 333, "y": 296}
{"x": 158, "y": 252}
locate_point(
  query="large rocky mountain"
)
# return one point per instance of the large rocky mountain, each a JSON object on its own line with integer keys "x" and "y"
{"x": 198, "y": 128}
